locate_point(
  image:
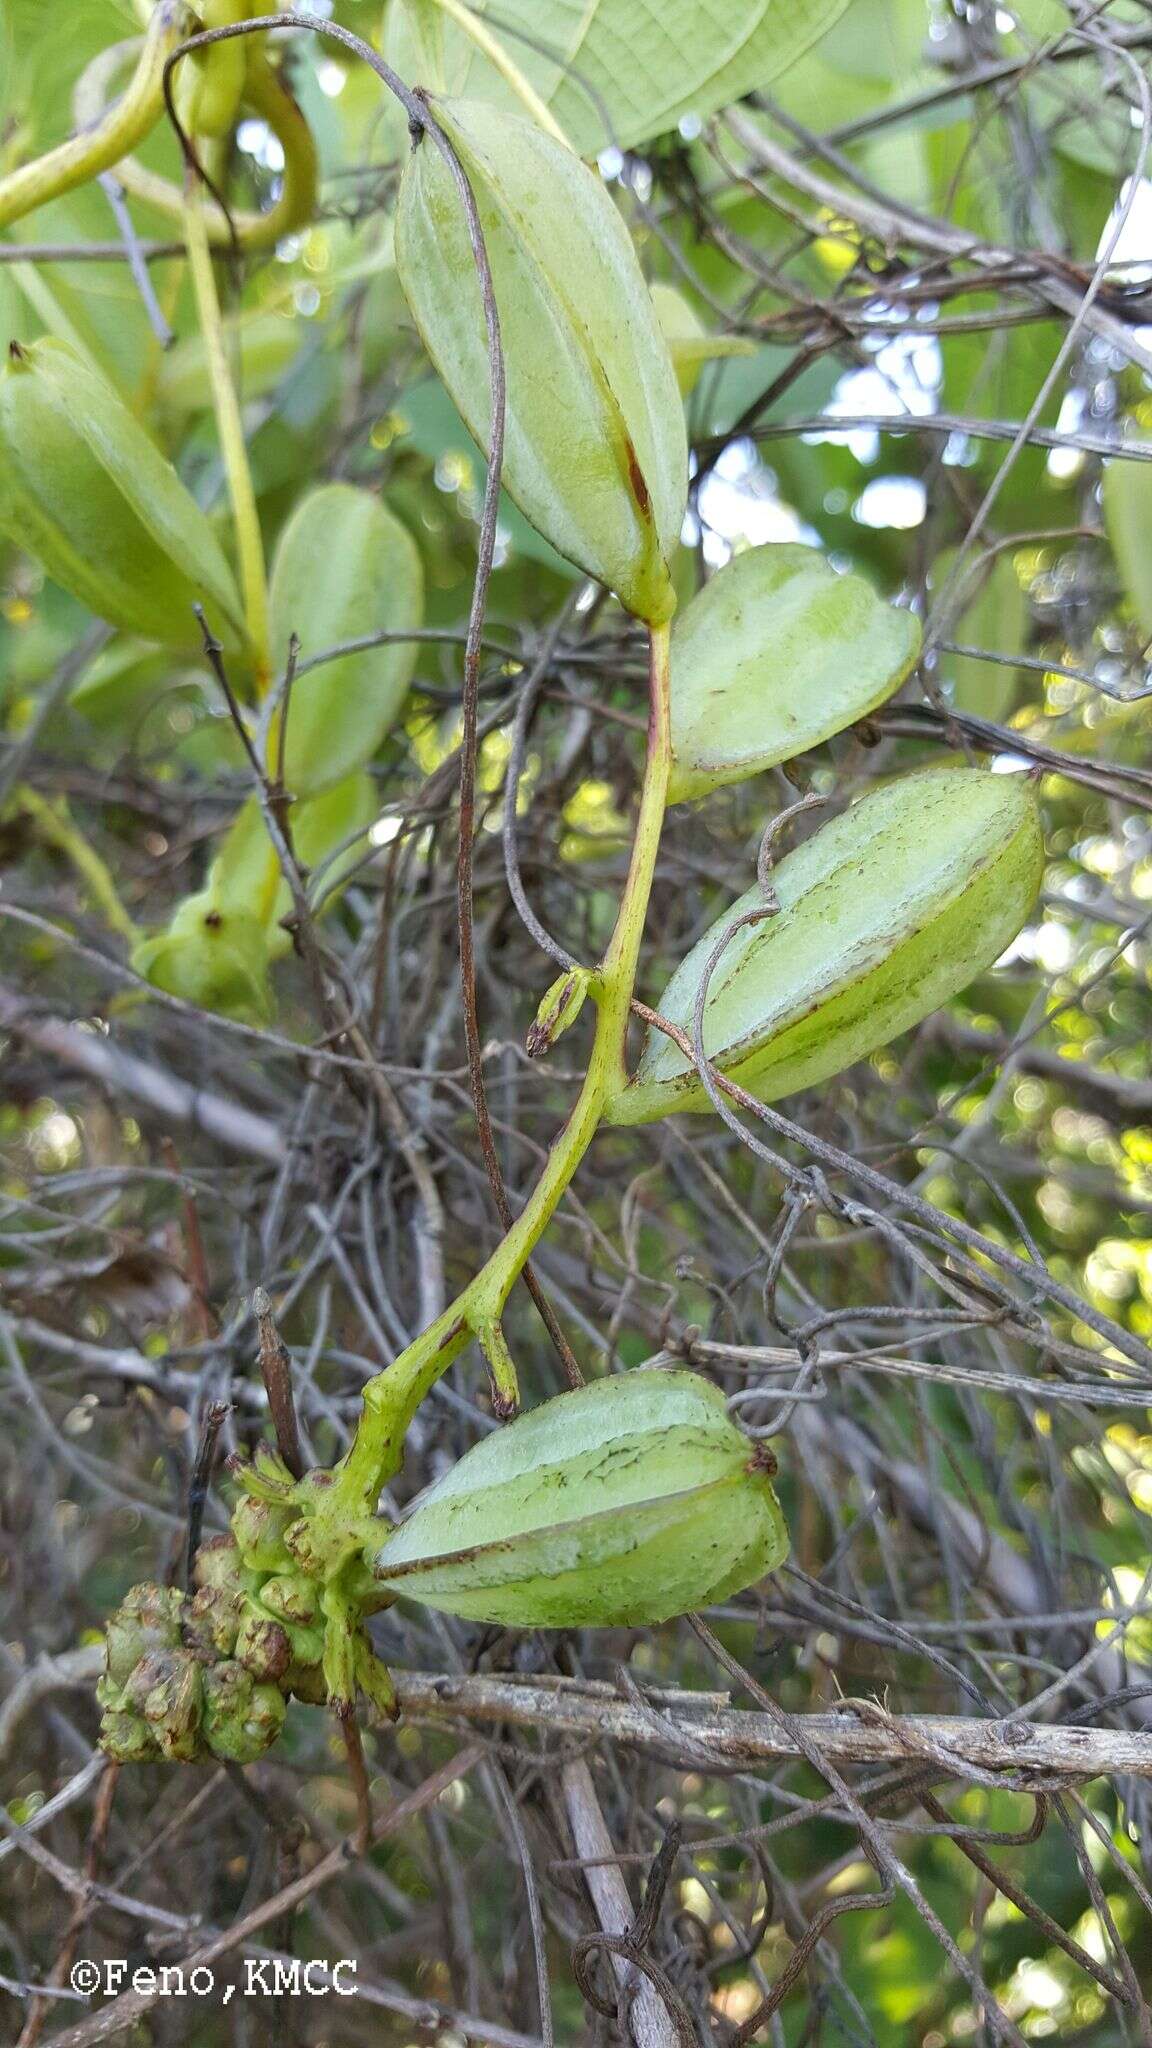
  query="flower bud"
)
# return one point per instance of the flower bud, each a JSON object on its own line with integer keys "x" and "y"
{"x": 627, "y": 1501}
{"x": 242, "y": 1719}
{"x": 595, "y": 452}
{"x": 262, "y": 1647}
{"x": 128, "y": 1739}
{"x": 85, "y": 490}
{"x": 560, "y": 1006}
{"x": 214, "y": 1619}
{"x": 172, "y": 1707}
{"x": 259, "y": 1526}
{"x": 147, "y": 1620}
{"x": 882, "y": 916}
{"x": 219, "y": 1566}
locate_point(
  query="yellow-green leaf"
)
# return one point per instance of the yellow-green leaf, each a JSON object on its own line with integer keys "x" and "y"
{"x": 84, "y": 490}
{"x": 617, "y": 72}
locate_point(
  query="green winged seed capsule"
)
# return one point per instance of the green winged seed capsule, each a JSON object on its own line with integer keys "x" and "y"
{"x": 344, "y": 568}
{"x": 884, "y": 914}
{"x": 84, "y": 490}
{"x": 595, "y": 448}
{"x": 625, "y": 1502}
{"x": 217, "y": 959}
{"x": 776, "y": 654}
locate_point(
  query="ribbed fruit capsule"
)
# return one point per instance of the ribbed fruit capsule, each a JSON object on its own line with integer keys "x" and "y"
{"x": 344, "y": 568}
{"x": 595, "y": 449}
{"x": 882, "y": 916}
{"x": 625, "y": 1502}
{"x": 84, "y": 490}
{"x": 774, "y": 655}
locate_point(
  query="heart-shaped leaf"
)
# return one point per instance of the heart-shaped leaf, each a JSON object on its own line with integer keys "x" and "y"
{"x": 883, "y": 915}
{"x": 777, "y": 653}
{"x": 616, "y": 71}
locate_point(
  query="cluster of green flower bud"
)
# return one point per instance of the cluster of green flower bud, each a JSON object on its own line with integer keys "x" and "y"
{"x": 188, "y": 1678}
{"x": 209, "y": 1673}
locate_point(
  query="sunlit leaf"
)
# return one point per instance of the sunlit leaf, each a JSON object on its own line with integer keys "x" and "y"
{"x": 621, "y": 71}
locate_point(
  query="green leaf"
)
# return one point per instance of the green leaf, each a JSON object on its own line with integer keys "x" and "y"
{"x": 595, "y": 448}
{"x": 344, "y": 568}
{"x": 621, "y": 71}
{"x": 777, "y": 653}
{"x": 883, "y": 915}
{"x": 1128, "y": 517}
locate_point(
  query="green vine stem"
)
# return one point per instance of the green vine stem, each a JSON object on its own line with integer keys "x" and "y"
{"x": 106, "y": 135}
{"x": 392, "y": 1397}
{"x": 117, "y": 130}
{"x": 57, "y": 827}
{"x": 230, "y": 429}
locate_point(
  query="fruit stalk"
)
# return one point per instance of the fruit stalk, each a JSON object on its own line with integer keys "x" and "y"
{"x": 392, "y": 1397}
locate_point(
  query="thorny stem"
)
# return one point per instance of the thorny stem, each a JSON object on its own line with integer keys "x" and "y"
{"x": 392, "y": 1397}
{"x": 230, "y": 428}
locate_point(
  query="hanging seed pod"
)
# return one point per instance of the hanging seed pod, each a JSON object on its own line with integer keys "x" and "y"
{"x": 776, "y": 654}
{"x": 344, "y": 568}
{"x": 595, "y": 451}
{"x": 626, "y": 1501}
{"x": 84, "y": 490}
{"x": 882, "y": 916}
